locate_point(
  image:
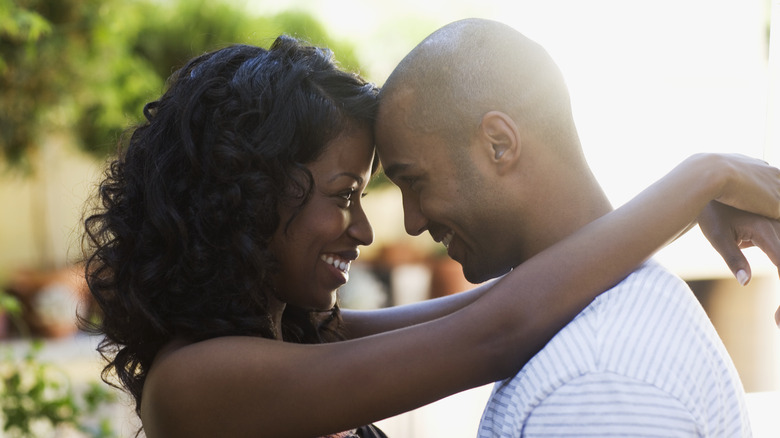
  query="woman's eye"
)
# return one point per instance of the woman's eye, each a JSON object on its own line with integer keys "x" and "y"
{"x": 346, "y": 197}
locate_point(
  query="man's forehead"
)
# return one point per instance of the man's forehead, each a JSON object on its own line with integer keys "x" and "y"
{"x": 398, "y": 93}
{"x": 396, "y": 103}
{"x": 396, "y": 159}
{"x": 401, "y": 146}
{"x": 393, "y": 132}
{"x": 399, "y": 152}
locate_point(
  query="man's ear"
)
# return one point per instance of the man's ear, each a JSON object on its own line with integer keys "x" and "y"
{"x": 500, "y": 134}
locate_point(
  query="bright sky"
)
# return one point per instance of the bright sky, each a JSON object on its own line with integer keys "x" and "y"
{"x": 652, "y": 82}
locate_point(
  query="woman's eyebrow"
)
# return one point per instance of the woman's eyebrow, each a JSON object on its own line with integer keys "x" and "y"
{"x": 356, "y": 177}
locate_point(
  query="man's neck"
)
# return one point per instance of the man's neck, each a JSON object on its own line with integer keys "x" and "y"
{"x": 571, "y": 210}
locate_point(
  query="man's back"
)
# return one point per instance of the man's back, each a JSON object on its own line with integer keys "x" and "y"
{"x": 642, "y": 360}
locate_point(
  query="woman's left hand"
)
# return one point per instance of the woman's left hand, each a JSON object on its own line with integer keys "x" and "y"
{"x": 729, "y": 230}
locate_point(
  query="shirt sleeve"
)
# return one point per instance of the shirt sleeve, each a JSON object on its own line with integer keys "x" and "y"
{"x": 609, "y": 405}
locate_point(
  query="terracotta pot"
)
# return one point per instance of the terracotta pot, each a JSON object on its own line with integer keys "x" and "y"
{"x": 447, "y": 277}
{"x": 50, "y": 300}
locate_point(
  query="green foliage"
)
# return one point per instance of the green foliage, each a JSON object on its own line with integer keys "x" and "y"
{"x": 20, "y": 25}
{"x": 302, "y": 25}
{"x": 184, "y": 29}
{"x": 89, "y": 66}
{"x": 12, "y": 309}
{"x": 42, "y": 61}
{"x": 10, "y": 304}
{"x": 38, "y": 398}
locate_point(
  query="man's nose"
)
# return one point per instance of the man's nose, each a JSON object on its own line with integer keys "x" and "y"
{"x": 414, "y": 220}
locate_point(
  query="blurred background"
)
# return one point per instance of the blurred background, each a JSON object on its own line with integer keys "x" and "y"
{"x": 651, "y": 83}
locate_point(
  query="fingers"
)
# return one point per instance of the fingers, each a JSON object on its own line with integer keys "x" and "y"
{"x": 734, "y": 258}
{"x": 717, "y": 222}
{"x": 729, "y": 230}
{"x": 766, "y": 236}
{"x": 777, "y": 317}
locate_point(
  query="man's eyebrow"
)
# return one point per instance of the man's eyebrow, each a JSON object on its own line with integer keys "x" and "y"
{"x": 356, "y": 177}
{"x": 393, "y": 170}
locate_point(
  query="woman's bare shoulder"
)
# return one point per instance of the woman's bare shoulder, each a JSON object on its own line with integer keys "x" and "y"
{"x": 191, "y": 384}
{"x": 255, "y": 387}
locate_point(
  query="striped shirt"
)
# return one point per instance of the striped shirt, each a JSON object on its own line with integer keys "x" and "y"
{"x": 642, "y": 360}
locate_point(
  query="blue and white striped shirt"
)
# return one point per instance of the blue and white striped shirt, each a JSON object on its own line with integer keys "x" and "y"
{"x": 642, "y": 360}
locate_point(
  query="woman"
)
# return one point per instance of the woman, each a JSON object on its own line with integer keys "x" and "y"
{"x": 229, "y": 222}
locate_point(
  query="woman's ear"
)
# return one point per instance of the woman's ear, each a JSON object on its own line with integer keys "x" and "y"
{"x": 501, "y": 133}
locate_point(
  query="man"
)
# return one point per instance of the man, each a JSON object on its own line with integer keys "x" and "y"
{"x": 475, "y": 127}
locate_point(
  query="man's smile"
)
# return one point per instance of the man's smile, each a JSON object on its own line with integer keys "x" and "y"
{"x": 447, "y": 239}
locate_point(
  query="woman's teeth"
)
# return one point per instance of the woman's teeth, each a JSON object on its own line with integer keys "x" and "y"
{"x": 338, "y": 263}
{"x": 447, "y": 239}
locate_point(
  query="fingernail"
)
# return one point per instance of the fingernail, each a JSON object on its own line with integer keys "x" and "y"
{"x": 742, "y": 277}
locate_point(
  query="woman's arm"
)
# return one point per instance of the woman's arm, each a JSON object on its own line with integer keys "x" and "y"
{"x": 360, "y": 323}
{"x": 727, "y": 228}
{"x": 241, "y": 386}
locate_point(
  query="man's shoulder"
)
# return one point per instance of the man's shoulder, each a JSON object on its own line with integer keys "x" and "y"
{"x": 649, "y": 331}
{"x": 648, "y": 318}
{"x": 652, "y": 303}
{"x": 651, "y": 286}
{"x": 651, "y": 275}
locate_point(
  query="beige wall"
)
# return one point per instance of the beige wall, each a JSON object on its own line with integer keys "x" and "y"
{"x": 40, "y": 212}
{"x": 744, "y": 318}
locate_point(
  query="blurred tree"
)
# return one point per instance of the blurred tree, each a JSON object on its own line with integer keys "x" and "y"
{"x": 85, "y": 68}
{"x": 88, "y": 66}
{"x": 188, "y": 28}
{"x": 21, "y": 30}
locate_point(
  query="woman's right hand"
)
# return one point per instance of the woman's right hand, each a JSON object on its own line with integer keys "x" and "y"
{"x": 743, "y": 182}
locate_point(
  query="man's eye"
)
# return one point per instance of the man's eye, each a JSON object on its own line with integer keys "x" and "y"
{"x": 411, "y": 182}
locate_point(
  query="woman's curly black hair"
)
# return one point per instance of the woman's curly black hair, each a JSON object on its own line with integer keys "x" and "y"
{"x": 178, "y": 245}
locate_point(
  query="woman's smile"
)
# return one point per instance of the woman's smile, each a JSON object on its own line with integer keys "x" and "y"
{"x": 338, "y": 265}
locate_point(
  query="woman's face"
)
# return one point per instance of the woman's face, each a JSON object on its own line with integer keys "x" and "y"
{"x": 316, "y": 250}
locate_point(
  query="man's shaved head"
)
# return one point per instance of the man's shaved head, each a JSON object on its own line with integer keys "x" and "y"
{"x": 473, "y": 66}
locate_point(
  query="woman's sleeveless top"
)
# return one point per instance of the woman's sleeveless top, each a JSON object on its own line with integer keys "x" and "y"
{"x": 368, "y": 431}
